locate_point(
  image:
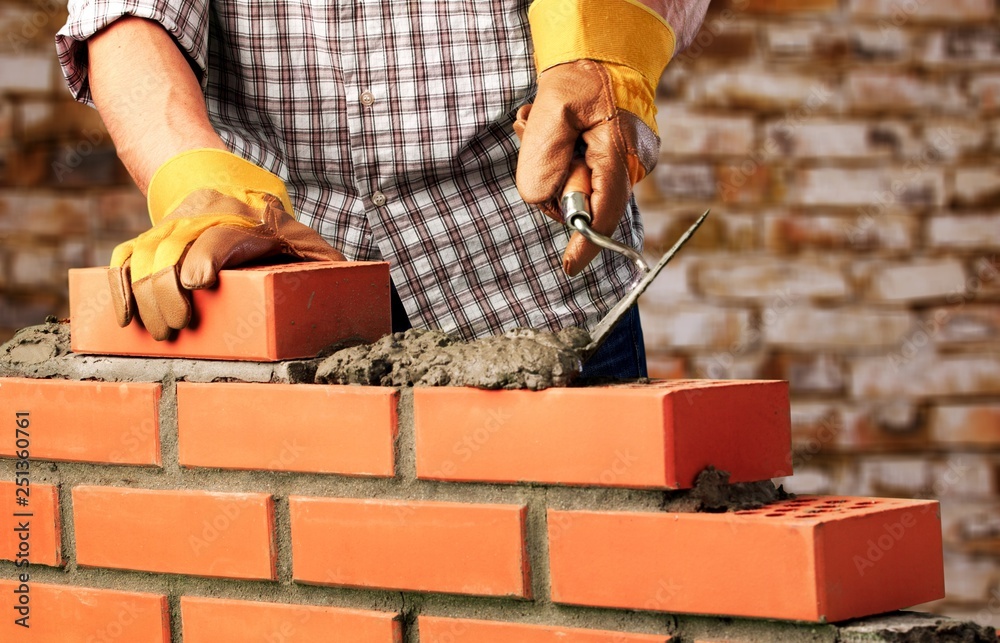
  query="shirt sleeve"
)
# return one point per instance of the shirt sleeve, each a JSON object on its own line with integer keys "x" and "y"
{"x": 685, "y": 16}
{"x": 185, "y": 20}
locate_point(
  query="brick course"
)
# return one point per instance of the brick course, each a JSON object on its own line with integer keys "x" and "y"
{"x": 207, "y": 620}
{"x": 431, "y": 547}
{"x": 806, "y": 559}
{"x": 115, "y": 423}
{"x": 263, "y": 552}
{"x": 663, "y": 434}
{"x": 287, "y": 427}
{"x": 30, "y": 533}
{"x": 62, "y": 614}
{"x": 452, "y": 630}
{"x": 198, "y": 533}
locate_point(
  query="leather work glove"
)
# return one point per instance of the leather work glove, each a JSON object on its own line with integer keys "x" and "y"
{"x": 599, "y": 62}
{"x": 210, "y": 210}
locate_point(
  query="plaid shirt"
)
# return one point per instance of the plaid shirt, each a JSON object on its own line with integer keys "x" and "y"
{"x": 391, "y": 125}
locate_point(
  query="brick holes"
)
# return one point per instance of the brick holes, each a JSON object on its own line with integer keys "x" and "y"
{"x": 814, "y": 507}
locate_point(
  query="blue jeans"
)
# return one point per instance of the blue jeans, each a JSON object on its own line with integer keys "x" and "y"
{"x": 622, "y": 356}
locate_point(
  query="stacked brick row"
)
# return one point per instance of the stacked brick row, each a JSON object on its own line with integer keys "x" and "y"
{"x": 219, "y": 510}
{"x": 849, "y": 152}
{"x": 817, "y": 558}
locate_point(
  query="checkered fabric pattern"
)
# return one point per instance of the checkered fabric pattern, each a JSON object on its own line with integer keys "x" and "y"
{"x": 391, "y": 124}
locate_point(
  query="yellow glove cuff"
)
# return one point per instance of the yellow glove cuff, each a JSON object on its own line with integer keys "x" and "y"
{"x": 211, "y": 169}
{"x": 633, "y": 41}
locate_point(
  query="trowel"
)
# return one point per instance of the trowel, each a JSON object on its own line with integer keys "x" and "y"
{"x": 575, "y": 206}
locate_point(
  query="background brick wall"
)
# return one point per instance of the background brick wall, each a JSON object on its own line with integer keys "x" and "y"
{"x": 65, "y": 200}
{"x": 849, "y": 152}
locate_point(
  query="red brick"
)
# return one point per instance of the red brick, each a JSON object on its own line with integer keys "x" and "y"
{"x": 27, "y": 72}
{"x": 985, "y": 90}
{"x": 843, "y": 328}
{"x": 664, "y": 224}
{"x": 718, "y": 41}
{"x": 832, "y": 426}
{"x": 71, "y": 420}
{"x": 40, "y": 213}
{"x": 763, "y": 90}
{"x": 729, "y": 365}
{"x": 968, "y": 527}
{"x": 776, "y": 282}
{"x": 43, "y": 537}
{"x": 812, "y": 372}
{"x": 889, "y": 91}
{"x": 208, "y": 620}
{"x": 962, "y": 47}
{"x": 349, "y": 430}
{"x": 977, "y": 186}
{"x": 665, "y": 367}
{"x": 962, "y": 323}
{"x": 419, "y": 546}
{"x": 436, "y": 629}
{"x": 915, "y": 280}
{"x": 122, "y": 212}
{"x": 682, "y": 181}
{"x": 950, "y": 139}
{"x": 977, "y": 424}
{"x": 895, "y": 475}
{"x": 36, "y": 267}
{"x": 62, "y": 614}
{"x": 964, "y": 231}
{"x": 790, "y": 6}
{"x": 970, "y": 579}
{"x": 744, "y": 182}
{"x": 810, "y": 559}
{"x": 695, "y": 326}
{"x": 20, "y": 23}
{"x": 792, "y": 233}
{"x": 265, "y": 313}
{"x": 664, "y": 434}
{"x": 688, "y": 132}
{"x": 903, "y": 12}
{"x": 198, "y": 533}
{"x": 962, "y": 476}
{"x": 870, "y": 190}
{"x": 825, "y": 139}
{"x": 806, "y": 41}
{"x": 880, "y": 43}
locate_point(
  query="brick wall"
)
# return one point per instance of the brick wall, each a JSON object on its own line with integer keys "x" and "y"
{"x": 171, "y": 499}
{"x": 849, "y": 151}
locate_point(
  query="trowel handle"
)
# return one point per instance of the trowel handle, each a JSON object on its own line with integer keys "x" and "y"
{"x": 576, "y": 213}
{"x": 576, "y": 193}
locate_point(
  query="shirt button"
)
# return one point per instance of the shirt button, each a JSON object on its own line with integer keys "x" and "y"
{"x": 367, "y": 98}
{"x": 378, "y": 199}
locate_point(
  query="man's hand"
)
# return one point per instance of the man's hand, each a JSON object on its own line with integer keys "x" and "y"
{"x": 599, "y": 62}
{"x": 210, "y": 210}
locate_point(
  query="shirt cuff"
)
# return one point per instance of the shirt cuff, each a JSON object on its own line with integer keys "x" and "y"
{"x": 185, "y": 20}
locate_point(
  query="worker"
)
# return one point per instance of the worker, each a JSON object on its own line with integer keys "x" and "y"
{"x": 383, "y": 130}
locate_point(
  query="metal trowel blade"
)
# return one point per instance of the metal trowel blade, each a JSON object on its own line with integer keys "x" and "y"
{"x": 603, "y": 328}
